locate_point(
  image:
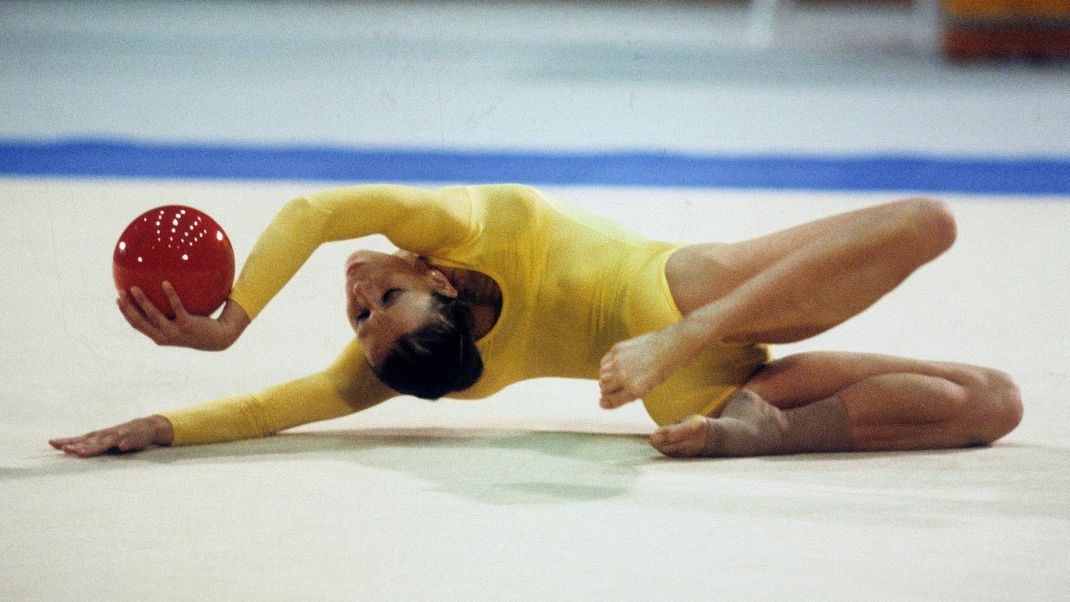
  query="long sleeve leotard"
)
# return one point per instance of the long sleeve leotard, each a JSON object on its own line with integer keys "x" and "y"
{"x": 572, "y": 285}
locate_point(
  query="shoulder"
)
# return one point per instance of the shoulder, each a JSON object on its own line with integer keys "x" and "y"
{"x": 510, "y": 194}
{"x": 509, "y": 204}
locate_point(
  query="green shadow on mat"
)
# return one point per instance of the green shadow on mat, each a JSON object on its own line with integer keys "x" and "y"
{"x": 492, "y": 466}
{"x": 504, "y": 467}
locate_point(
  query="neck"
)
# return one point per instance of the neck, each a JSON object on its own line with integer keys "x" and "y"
{"x": 479, "y": 289}
{"x": 480, "y": 293}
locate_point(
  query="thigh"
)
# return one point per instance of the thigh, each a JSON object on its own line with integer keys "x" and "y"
{"x": 803, "y": 378}
{"x": 700, "y": 274}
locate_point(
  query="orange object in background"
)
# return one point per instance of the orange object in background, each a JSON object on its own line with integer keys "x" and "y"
{"x": 1004, "y": 8}
{"x": 1006, "y": 29}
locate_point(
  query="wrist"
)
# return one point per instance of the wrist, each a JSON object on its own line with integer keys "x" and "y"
{"x": 233, "y": 319}
{"x": 162, "y": 431}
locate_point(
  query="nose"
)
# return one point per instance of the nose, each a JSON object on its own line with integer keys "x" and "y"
{"x": 360, "y": 296}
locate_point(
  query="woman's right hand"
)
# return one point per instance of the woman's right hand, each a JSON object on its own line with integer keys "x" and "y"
{"x": 185, "y": 329}
{"x": 132, "y": 436}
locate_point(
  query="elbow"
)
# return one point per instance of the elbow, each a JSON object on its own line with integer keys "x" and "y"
{"x": 296, "y": 207}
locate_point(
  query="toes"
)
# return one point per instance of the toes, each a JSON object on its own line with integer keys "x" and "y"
{"x": 676, "y": 449}
{"x": 614, "y": 393}
{"x": 689, "y": 428}
{"x": 666, "y": 435}
{"x": 683, "y": 439}
{"x": 615, "y": 399}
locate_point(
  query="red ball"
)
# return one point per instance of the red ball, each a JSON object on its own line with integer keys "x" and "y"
{"x": 180, "y": 245}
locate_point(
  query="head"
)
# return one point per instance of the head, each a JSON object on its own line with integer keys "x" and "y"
{"x": 415, "y": 332}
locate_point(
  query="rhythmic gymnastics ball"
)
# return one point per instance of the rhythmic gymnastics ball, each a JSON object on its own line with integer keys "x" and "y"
{"x": 180, "y": 245}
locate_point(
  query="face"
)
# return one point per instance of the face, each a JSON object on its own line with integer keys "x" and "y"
{"x": 389, "y": 296}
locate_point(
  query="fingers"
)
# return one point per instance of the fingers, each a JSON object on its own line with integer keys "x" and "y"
{"x": 141, "y": 313}
{"x": 59, "y": 443}
{"x": 86, "y": 446}
{"x": 122, "y": 438}
{"x": 176, "y": 303}
{"x": 152, "y": 314}
{"x": 135, "y": 316}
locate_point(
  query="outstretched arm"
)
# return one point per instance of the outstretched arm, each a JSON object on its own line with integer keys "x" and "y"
{"x": 816, "y": 286}
{"x": 347, "y": 386}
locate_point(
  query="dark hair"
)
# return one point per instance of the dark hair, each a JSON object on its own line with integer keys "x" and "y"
{"x": 437, "y": 358}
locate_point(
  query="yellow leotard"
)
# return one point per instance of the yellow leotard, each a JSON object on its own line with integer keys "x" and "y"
{"x": 572, "y": 286}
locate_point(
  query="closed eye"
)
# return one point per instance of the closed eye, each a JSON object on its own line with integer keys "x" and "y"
{"x": 391, "y": 295}
{"x": 362, "y": 316}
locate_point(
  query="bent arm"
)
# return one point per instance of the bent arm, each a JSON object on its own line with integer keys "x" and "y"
{"x": 346, "y": 387}
{"x": 418, "y": 220}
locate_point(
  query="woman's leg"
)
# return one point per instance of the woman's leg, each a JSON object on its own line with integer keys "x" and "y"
{"x": 817, "y": 402}
{"x": 781, "y": 288}
{"x": 703, "y": 273}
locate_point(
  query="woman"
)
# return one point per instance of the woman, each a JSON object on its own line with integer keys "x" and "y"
{"x": 496, "y": 284}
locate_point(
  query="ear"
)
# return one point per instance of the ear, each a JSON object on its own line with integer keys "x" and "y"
{"x": 441, "y": 284}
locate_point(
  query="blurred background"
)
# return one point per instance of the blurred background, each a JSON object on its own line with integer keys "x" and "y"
{"x": 738, "y": 77}
{"x": 690, "y": 121}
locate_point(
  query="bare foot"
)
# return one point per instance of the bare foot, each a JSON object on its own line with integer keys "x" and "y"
{"x": 749, "y": 426}
{"x": 685, "y": 439}
{"x": 633, "y": 367}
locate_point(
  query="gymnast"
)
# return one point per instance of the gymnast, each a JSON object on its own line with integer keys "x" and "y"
{"x": 497, "y": 284}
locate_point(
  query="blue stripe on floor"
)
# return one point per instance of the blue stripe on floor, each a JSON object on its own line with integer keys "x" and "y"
{"x": 920, "y": 173}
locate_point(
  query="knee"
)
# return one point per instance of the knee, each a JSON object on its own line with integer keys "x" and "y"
{"x": 1008, "y": 401}
{"x": 1000, "y": 403}
{"x": 932, "y": 224}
